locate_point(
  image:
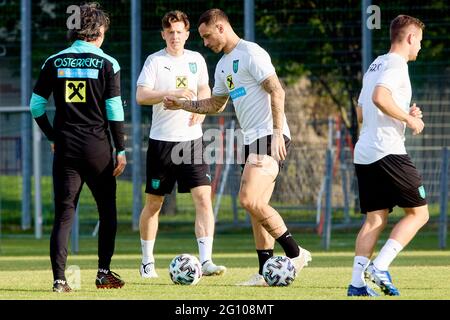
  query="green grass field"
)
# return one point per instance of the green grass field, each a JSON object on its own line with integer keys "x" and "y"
{"x": 420, "y": 271}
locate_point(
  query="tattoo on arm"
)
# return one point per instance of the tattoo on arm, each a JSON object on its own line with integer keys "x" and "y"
{"x": 215, "y": 104}
{"x": 272, "y": 86}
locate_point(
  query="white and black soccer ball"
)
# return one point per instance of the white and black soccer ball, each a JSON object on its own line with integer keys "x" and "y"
{"x": 185, "y": 269}
{"x": 279, "y": 271}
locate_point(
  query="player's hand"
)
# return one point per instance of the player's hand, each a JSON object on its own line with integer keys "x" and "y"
{"x": 278, "y": 146}
{"x": 172, "y": 103}
{"x": 186, "y": 94}
{"x": 121, "y": 162}
{"x": 196, "y": 119}
{"x": 52, "y": 146}
{"x": 415, "y": 111}
{"x": 416, "y": 124}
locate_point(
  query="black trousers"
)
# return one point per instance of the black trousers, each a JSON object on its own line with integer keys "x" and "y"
{"x": 69, "y": 176}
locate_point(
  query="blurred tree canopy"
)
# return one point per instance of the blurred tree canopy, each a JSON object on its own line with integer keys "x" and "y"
{"x": 322, "y": 41}
{"x": 317, "y": 39}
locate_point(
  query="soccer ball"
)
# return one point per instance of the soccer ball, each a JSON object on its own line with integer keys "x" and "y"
{"x": 279, "y": 271}
{"x": 185, "y": 269}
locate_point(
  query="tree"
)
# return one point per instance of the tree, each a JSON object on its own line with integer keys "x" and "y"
{"x": 322, "y": 41}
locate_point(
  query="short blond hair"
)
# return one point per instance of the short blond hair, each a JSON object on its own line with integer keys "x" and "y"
{"x": 400, "y": 24}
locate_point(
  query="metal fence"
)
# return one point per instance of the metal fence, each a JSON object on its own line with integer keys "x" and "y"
{"x": 317, "y": 49}
{"x": 316, "y": 189}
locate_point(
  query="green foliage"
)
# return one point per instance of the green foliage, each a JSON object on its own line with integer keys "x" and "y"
{"x": 317, "y": 39}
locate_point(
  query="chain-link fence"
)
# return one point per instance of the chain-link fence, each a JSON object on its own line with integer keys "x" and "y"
{"x": 316, "y": 49}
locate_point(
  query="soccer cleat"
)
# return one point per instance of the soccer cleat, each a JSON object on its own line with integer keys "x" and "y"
{"x": 365, "y": 291}
{"x": 382, "y": 279}
{"x": 210, "y": 269}
{"x": 106, "y": 279}
{"x": 61, "y": 286}
{"x": 148, "y": 270}
{"x": 302, "y": 260}
{"x": 257, "y": 280}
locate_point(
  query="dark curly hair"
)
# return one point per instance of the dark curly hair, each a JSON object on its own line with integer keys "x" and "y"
{"x": 92, "y": 18}
{"x": 212, "y": 16}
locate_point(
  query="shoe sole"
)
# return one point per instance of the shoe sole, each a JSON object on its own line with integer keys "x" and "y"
{"x": 251, "y": 285}
{"x": 387, "y": 291}
{"x": 62, "y": 291}
{"x": 216, "y": 273}
{"x": 148, "y": 276}
{"x": 381, "y": 285}
{"x": 108, "y": 286}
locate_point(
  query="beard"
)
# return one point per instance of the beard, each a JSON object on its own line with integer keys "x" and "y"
{"x": 215, "y": 49}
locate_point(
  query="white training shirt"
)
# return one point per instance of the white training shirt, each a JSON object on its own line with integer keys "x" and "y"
{"x": 162, "y": 71}
{"x": 381, "y": 134}
{"x": 240, "y": 74}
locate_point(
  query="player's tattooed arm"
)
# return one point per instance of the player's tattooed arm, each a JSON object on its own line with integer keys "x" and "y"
{"x": 273, "y": 86}
{"x": 215, "y": 104}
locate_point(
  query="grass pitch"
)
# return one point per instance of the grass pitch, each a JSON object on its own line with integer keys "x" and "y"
{"x": 420, "y": 271}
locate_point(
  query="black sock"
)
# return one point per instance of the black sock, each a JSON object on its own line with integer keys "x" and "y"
{"x": 263, "y": 256}
{"x": 289, "y": 245}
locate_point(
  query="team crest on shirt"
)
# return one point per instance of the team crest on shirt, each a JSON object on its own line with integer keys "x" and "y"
{"x": 181, "y": 82}
{"x": 235, "y": 66}
{"x": 230, "y": 83}
{"x": 193, "y": 67}
{"x": 156, "y": 183}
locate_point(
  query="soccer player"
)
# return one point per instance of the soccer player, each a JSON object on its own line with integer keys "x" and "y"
{"x": 85, "y": 83}
{"x": 246, "y": 74}
{"x": 183, "y": 74}
{"x": 386, "y": 175}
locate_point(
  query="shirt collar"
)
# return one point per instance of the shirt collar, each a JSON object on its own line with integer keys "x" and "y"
{"x": 85, "y": 44}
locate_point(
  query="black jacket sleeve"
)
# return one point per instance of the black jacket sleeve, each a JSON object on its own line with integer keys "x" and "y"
{"x": 117, "y": 133}
{"x": 45, "y": 126}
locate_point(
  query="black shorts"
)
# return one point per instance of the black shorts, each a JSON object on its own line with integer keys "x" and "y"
{"x": 262, "y": 146}
{"x": 170, "y": 162}
{"x": 389, "y": 182}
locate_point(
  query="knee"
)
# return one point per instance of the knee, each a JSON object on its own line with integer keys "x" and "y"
{"x": 245, "y": 201}
{"x": 250, "y": 203}
{"x": 375, "y": 222}
{"x": 422, "y": 216}
{"x": 203, "y": 202}
{"x": 152, "y": 208}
